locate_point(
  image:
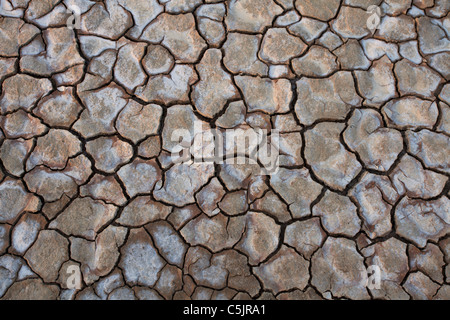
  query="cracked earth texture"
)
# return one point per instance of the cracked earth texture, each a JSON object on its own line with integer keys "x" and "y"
{"x": 87, "y": 183}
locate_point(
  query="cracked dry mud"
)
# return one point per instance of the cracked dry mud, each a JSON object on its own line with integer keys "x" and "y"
{"x": 86, "y": 121}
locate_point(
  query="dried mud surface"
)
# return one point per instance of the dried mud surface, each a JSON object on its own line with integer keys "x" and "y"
{"x": 87, "y": 182}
